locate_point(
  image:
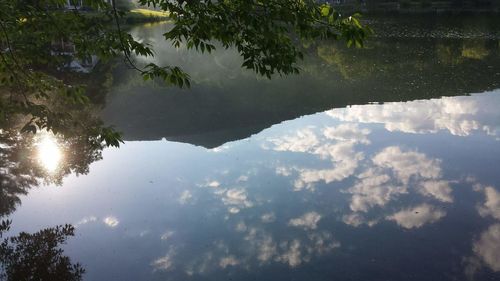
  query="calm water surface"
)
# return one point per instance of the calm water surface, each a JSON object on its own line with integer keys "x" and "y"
{"x": 376, "y": 164}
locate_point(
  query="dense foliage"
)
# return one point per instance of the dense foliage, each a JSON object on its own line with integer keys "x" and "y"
{"x": 35, "y": 35}
{"x": 37, "y": 256}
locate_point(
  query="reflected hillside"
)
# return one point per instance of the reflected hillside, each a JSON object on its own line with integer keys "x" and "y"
{"x": 227, "y": 103}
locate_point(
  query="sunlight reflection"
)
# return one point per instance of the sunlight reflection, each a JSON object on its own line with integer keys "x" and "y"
{"x": 48, "y": 152}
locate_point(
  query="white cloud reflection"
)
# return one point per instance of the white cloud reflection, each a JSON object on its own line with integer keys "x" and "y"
{"x": 228, "y": 261}
{"x": 303, "y": 141}
{"x": 236, "y": 198}
{"x": 347, "y": 132}
{"x": 267, "y": 249}
{"x": 185, "y": 197}
{"x": 391, "y": 173}
{"x": 213, "y": 184}
{"x": 292, "y": 254}
{"x": 344, "y": 159}
{"x": 417, "y": 216}
{"x": 487, "y": 248}
{"x": 111, "y": 221}
{"x": 408, "y": 163}
{"x": 335, "y": 144}
{"x": 373, "y": 189}
{"x": 268, "y": 217}
{"x": 86, "y": 220}
{"x": 384, "y": 177}
{"x": 439, "y": 189}
{"x": 306, "y": 221}
{"x": 357, "y": 219}
{"x": 458, "y": 115}
{"x": 491, "y": 206}
{"x": 374, "y": 179}
{"x": 166, "y": 235}
{"x": 165, "y": 263}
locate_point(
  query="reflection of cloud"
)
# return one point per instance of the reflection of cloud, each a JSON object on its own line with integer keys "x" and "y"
{"x": 111, "y": 221}
{"x": 407, "y": 164}
{"x": 266, "y": 250}
{"x": 353, "y": 219}
{"x": 201, "y": 264}
{"x": 185, "y": 197}
{"x": 491, "y": 206}
{"x": 391, "y": 172}
{"x": 344, "y": 159}
{"x": 356, "y": 219}
{"x": 221, "y": 148}
{"x": 307, "y": 221}
{"x": 295, "y": 253}
{"x": 292, "y": 254}
{"x": 166, "y": 235}
{"x": 228, "y": 261}
{"x": 164, "y": 263}
{"x": 216, "y": 257}
{"x": 303, "y": 141}
{"x": 335, "y": 144}
{"x": 284, "y": 171}
{"x": 268, "y": 217}
{"x": 210, "y": 183}
{"x": 213, "y": 184}
{"x": 322, "y": 243}
{"x": 242, "y": 178}
{"x": 488, "y": 247}
{"x": 241, "y": 227}
{"x": 85, "y": 220}
{"x": 458, "y": 115}
{"x": 417, "y": 216}
{"x": 237, "y": 199}
{"x": 347, "y": 132}
{"x": 372, "y": 189}
{"x": 438, "y": 189}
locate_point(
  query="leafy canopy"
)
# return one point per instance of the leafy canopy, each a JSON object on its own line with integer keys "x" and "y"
{"x": 37, "y": 256}
{"x": 34, "y": 67}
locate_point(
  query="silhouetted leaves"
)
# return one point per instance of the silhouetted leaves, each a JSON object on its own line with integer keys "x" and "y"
{"x": 38, "y": 256}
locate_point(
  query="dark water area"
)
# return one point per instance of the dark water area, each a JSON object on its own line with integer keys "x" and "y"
{"x": 373, "y": 164}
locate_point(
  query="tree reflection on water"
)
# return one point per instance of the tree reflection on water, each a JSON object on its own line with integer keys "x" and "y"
{"x": 28, "y": 161}
{"x": 38, "y": 256}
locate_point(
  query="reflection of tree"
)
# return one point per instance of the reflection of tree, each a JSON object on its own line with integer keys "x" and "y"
{"x": 20, "y": 168}
{"x": 38, "y": 256}
{"x": 389, "y": 57}
{"x": 475, "y": 50}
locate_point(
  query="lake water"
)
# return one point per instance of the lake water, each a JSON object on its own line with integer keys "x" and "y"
{"x": 373, "y": 164}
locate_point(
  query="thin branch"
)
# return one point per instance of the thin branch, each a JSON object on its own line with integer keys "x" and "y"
{"x": 9, "y": 48}
{"x": 125, "y": 50}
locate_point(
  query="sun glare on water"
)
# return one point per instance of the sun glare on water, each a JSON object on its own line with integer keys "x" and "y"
{"x": 48, "y": 153}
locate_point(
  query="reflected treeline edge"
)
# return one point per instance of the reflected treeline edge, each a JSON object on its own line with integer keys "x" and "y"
{"x": 227, "y": 103}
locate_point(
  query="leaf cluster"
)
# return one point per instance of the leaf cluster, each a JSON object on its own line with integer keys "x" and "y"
{"x": 38, "y": 256}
